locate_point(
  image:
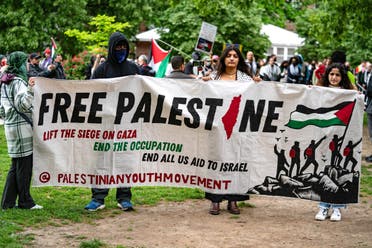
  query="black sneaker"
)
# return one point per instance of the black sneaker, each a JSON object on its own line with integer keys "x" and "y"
{"x": 369, "y": 159}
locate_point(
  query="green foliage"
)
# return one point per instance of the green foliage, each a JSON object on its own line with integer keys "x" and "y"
{"x": 278, "y": 12}
{"x": 137, "y": 12}
{"x": 366, "y": 180}
{"x": 102, "y": 26}
{"x": 235, "y": 25}
{"x": 27, "y": 25}
{"x": 95, "y": 243}
{"x": 76, "y": 65}
{"x": 337, "y": 25}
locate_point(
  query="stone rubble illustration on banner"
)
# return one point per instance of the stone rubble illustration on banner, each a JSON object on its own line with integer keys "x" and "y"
{"x": 336, "y": 183}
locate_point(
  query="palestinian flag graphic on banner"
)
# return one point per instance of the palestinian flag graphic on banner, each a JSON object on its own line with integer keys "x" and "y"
{"x": 159, "y": 59}
{"x": 338, "y": 115}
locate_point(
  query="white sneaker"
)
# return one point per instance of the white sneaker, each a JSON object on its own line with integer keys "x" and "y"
{"x": 336, "y": 215}
{"x": 36, "y": 207}
{"x": 322, "y": 214}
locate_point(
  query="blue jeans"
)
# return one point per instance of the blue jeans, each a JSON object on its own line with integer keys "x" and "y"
{"x": 330, "y": 205}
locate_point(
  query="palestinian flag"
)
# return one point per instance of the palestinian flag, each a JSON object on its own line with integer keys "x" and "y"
{"x": 54, "y": 49}
{"x": 338, "y": 115}
{"x": 160, "y": 72}
{"x": 159, "y": 59}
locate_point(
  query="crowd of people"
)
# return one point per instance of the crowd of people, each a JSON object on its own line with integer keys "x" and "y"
{"x": 17, "y": 79}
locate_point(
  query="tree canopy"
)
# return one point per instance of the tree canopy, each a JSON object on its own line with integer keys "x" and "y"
{"x": 337, "y": 25}
{"x": 102, "y": 26}
{"x": 326, "y": 25}
{"x": 237, "y": 24}
{"x": 28, "y": 25}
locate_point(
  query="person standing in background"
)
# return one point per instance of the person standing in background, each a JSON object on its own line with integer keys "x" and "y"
{"x": 270, "y": 71}
{"x": 365, "y": 79}
{"x": 48, "y": 60}
{"x": 178, "y": 66}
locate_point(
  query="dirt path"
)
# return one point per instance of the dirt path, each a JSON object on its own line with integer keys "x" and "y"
{"x": 272, "y": 222}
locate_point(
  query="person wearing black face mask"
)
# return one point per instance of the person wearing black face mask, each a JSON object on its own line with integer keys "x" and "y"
{"x": 116, "y": 65}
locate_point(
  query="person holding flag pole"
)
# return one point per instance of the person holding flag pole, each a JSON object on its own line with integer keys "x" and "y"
{"x": 49, "y": 56}
{"x": 44, "y": 63}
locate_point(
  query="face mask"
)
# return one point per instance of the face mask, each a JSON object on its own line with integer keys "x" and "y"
{"x": 121, "y": 55}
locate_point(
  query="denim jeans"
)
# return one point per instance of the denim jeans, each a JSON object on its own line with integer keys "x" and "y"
{"x": 330, "y": 205}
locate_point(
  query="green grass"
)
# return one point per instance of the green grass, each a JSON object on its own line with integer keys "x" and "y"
{"x": 64, "y": 205}
{"x": 366, "y": 180}
{"x": 92, "y": 244}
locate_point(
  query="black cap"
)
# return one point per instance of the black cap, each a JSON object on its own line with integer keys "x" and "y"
{"x": 35, "y": 56}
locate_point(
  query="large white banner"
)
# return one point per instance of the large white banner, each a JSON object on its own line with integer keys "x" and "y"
{"x": 220, "y": 136}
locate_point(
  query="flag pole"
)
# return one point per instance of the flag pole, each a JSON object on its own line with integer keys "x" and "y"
{"x": 54, "y": 48}
{"x": 186, "y": 55}
{"x": 348, "y": 124}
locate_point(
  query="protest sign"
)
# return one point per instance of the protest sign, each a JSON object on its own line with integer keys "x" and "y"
{"x": 206, "y": 38}
{"x": 220, "y": 136}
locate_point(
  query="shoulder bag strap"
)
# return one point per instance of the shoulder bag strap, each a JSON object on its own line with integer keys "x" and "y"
{"x": 25, "y": 117}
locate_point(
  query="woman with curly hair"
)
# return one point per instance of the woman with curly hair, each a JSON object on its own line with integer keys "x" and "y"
{"x": 231, "y": 66}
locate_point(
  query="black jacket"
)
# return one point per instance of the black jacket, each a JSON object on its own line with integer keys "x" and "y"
{"x": 111, "y": 67}
{"x": 58, "y": 72}
{"x": 36, "y": 71}
{"x": 179, "y": 74}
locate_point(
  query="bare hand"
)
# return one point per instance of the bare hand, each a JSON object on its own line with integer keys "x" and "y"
{"x": 51, "y": 67}
{"x": 31, "y": 81}
{"x": 257, "y": 79}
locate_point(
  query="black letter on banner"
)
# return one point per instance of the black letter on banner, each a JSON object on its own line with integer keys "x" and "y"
{"x": 44, "y": 108}
{"x": 78, "y": 107}
{"x": 271, "y": 115}
{"x": 212, "y": 111}
{"x": 176, "y": 111}
{"x": 250, "y": 113}
{"x": 58, "y": 107}
{"x": 190, "y": 106}
{"x": 121, "y": 108}
{"x": 159, "y": 108}
{"x": 145, "y": 105}
{"x": 92, "y": 118}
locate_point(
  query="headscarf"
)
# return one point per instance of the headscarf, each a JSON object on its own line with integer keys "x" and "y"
{"x": 17, "y": 65}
